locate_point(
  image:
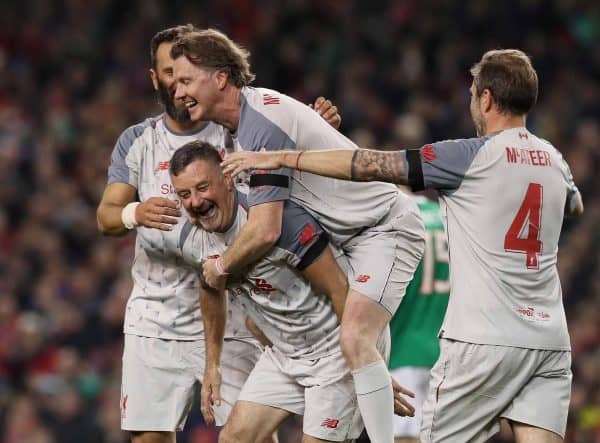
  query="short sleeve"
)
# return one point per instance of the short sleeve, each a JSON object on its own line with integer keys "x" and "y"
{"x": 257, "y": 132}
{"x": 441, "y": 165}
{"x": 119, "y": 171}
{"x": 269, "y": 186}
{"x": 302, "y": 237}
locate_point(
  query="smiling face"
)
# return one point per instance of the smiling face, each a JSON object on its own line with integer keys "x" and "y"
{"x": 164, "y": 83}
{"x": 206, "y": 194}
{"x": 199, "y": 89}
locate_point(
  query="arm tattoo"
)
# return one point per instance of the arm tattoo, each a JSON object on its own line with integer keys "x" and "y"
{"x": 368, "y": 165}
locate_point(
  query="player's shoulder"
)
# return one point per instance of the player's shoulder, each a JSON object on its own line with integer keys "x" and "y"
{"x": 267, "y": 117}
{"x": 470, "y": 144}
{"x": 275, "y": 106}
{"x": 135, "y": 131}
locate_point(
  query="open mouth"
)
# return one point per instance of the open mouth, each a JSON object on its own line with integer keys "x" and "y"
{"x": 191, "y": 104}
{"x": 207, "y": 210}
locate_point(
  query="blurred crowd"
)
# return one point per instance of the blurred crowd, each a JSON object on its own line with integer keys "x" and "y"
{"x": 74, "y": 74}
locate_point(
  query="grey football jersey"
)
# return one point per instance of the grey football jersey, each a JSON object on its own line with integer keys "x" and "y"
{"x": 270, "y": 120}
{"x": 298, "y": 321}
{"x": 164, "y": 300}
{"x": 503, "y": 199}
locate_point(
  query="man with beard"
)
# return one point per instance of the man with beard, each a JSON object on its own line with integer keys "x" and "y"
{"x": 505, "y": 350}
{"x": 163, "y": 358}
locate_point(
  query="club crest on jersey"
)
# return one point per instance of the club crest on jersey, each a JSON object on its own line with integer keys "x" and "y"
{"x": 428, "y": 153}
{"x": 124, "y": 405}
{"x": 331, "y": 423}
{"x": 363, "y": 278}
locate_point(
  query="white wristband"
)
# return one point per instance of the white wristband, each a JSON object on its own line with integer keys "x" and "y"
{"x": 128, "y": 215}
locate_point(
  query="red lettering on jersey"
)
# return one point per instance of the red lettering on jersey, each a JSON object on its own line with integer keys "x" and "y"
{"x": 527, "y": 157}
{"x": 269, "y": 99}
{"x": 511, "y": 155}
{"x": 167, "y": 188}
{"x": 331, "y": 423}
{"x": 523, "y": 135}
{"x": 363, "y": 278}
{"x": 528, "y": 312}
{"x": 428, "y": 153}
{"x": 308, "y": 233}
{"x": 162, "y": 166}
{"x": 263, "y": 286}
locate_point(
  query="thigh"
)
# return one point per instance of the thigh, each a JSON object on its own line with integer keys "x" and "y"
{"x": 157, "y": 385}
{"x": 529, "y": 434}
{"x": 383, "y": 259}
{"x": 542, "y": 405}
{"x": 152, "y": 437}
{"x": 251, "y": 422}
{"x": 331, "y": 412}
{"x": 268, "y": 385}
{"x": 469, "y": 388}
{"x": 417, "y": 380}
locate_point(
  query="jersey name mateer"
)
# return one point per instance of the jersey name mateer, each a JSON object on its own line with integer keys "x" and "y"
{"x": 532, "y": 157}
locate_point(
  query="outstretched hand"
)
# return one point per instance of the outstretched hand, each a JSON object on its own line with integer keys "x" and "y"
{"x": 237, "y": 162}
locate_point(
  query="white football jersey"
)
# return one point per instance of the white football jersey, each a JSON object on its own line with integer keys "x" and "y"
{"x": 164, "y": 300}
{"x": 298, "y": 321}
{"x": 503, "y": 199}
{"x": 270, "y": 120}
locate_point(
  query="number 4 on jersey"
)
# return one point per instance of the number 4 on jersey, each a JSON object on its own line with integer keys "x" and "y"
{"x": 530, "y": 216}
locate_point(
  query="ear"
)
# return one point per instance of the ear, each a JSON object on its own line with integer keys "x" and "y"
{"x": 222, "y": 77}
{"x": 154, "y": 77}
{"x": 228, "y": 182}
{"x": 486, "y": 101}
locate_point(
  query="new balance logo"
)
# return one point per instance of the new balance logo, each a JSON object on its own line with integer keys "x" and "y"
{"x": 363, "y": 278}
{"x": 269, "y": 99}
{"x": 428, "y": 153}
{"x": 523, "y": 136}
{"x": 162, "y": 166}
{"x": 330, "y": 423}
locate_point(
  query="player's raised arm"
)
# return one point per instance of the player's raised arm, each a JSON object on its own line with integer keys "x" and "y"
{"x": 345, "y": 164}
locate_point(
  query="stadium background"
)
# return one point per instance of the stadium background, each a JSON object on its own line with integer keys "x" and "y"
{"x": 74, "y": 74}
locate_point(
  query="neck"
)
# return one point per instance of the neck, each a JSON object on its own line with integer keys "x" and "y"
{"x": 229, "y": 112}
{"x": 232, "y": 203}
{"x": 501, "y": 122}
{"x": 176, "y": 126}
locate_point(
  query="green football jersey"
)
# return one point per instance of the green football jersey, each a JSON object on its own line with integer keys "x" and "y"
{"x": 416, "y": 324}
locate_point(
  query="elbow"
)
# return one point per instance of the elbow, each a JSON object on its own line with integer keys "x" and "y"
{"x": 102, "y": 226}
{"x": 577, "y": 209}
{"x": 270, "y": 236}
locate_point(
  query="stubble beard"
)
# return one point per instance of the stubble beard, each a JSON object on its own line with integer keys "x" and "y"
{"x": 165, "y": 98}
